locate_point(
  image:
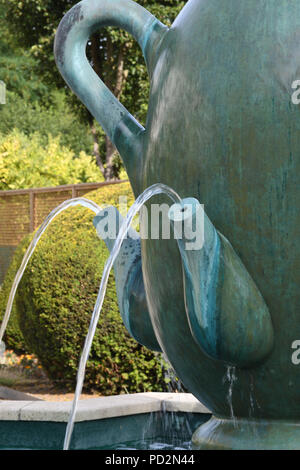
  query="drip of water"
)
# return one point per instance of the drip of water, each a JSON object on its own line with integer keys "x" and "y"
{"x": 251, "y": 396}
{"x": 175, "y": 428}
{"x": 253, "y": 400}
{"x": 30, "y": 250}
{"x": 135, "y": 208}
{"x": 166, "y": 426}
{"x": 231, "y": 378}
{"x": 253, "y": 404}
{"x": 148, "y": 433}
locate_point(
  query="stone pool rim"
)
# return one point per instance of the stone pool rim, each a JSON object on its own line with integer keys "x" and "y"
{"x": 100, "y": 408}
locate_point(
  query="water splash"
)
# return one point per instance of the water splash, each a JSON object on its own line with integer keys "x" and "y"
{"x": 78, "y": 201}
{"x": 167, "y": 427}
{"x": 173, "y": 428}
{"x": 148, "y": 433}
{"x": 134, "y": 209}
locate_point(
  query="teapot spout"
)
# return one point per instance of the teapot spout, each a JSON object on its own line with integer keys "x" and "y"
{"x": 129, "y": 277}
{"x": 227, "y": 314}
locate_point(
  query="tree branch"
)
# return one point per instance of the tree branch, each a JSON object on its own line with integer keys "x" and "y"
{"x": 119, "y": 75}
{"x": 95, "y": 54}
{"x": 96, "y": 147}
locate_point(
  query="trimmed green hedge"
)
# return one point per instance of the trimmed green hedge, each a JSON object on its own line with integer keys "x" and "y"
{"x": 13, "y": 336}
{"x": 55, "y": 301}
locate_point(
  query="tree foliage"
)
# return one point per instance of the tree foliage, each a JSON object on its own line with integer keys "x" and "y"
{"x": 34, "y": 107}
{"x": 25, "y": 163}
{"x": 17, "y": 65}
{"x": 57, "y": 119}
{"x": 113, "y": 53}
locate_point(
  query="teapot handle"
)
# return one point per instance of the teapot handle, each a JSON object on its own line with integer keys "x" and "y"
{"x": 71, "y": 38}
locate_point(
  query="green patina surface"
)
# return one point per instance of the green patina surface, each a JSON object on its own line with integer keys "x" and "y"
{"x": 129, "y": 279}
{"x": 222, "y": 128}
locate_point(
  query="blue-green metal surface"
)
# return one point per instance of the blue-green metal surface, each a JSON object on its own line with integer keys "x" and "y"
{"x": 221, "y": 128}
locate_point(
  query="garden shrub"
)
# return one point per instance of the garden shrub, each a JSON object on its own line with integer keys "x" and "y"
{"x": 56, "y": 298}
{"x": 13, "y": 337}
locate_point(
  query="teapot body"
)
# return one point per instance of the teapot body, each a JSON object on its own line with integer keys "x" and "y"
{"x": 222, "y": 128}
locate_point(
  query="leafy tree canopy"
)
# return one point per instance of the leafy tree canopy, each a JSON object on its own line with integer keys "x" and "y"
{"x": 115, "y": 56}
{"x": 25, "y": 163}
{"x": 58, "y": 119}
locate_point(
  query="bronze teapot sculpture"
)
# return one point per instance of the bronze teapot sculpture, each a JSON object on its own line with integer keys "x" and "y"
{"x": 221, "y": 129}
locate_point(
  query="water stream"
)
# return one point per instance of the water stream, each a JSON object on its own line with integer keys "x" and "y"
{"x": 78, "y": 201}
{"x": 134, "y": 209}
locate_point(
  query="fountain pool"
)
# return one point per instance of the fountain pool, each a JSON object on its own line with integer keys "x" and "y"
{"x": 133, "y": 421}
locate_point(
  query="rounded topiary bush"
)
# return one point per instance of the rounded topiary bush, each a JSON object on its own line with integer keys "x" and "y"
{"x": 55, "y": 301}
{"x": 13, "y": 337}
